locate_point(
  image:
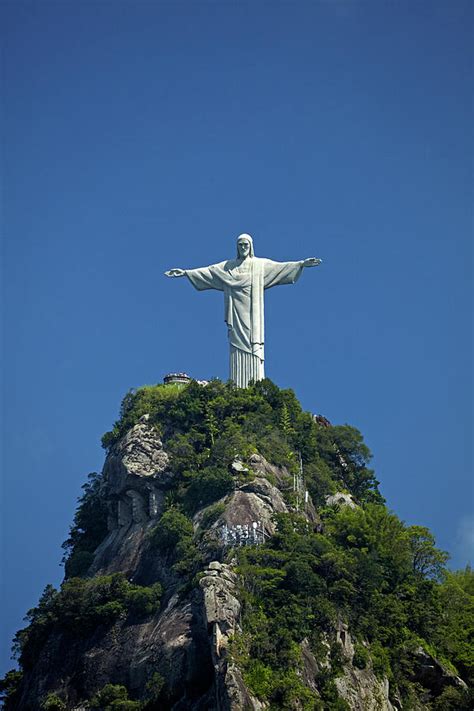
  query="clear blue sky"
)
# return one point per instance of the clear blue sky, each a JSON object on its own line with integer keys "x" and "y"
{"x": 138, "y": 136}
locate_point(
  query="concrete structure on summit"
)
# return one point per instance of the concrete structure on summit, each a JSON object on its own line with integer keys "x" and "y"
{"x": 243, "y": 281}
{"x": 179, "y": 378}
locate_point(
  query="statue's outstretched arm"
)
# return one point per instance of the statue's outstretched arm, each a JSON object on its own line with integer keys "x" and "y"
{"x": 201, "y": 278}
{"x": 285, "y": 272}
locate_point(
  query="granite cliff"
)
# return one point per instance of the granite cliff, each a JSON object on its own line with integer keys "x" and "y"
{"x": 213, "y": 565}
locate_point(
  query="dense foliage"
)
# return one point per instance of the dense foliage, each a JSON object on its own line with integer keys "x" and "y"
{"x": 174, "y": 536}
{"x": 359, "y": 566}
{"x": 368, "y": 569}
{"x": 89, "y": 528}
{"x": 204, "y": 428}
{"x": 114, "y": 697}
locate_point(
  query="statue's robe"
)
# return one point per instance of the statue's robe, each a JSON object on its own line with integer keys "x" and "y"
{"x": 243, "y": 285}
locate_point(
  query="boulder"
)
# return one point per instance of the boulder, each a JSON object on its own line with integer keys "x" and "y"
{"x": 340, "y": 499}
{"x": 138, "y": 455}
{"x": 432, "y": 674}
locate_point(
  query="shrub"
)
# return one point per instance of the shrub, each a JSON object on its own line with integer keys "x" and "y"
{"x": 380, "y": 660}
{"x": 53, "y": 702}
{"x": 289, "y": 692}
{"x": 78, "y": 563}
{"x": 29, "y": 640}
{"x": 172, "y": 528}
{"x": 231, "y": 442}
{"x": 455, "y": 632}
{"x": 136, "y": 403}
{"x": 9, "y": 687}
{"x": 211, "y": 514}
{"x": 154, "y": 687}
{"x": 88, "y": 530}
{"x": 144, "y": 601}
{"x": 259, "y": 678}
{"x": 82, "y": 604}
{"x": 452, "y": 699}
{"x": 188, "y": 558}
{"x": 113, "y": 697}
{"x": 329, "y": 693}
{"x": 173, "y": 535}
{"x": 361, "y": 656}
{"x": 108, "y": 613}
{"x": 206, "y": 486}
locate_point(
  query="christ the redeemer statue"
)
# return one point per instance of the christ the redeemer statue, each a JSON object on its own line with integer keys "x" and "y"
{"x": 243, "y": 281}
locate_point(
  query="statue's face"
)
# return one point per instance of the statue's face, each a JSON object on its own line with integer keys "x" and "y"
{"x": 243, "y": 246}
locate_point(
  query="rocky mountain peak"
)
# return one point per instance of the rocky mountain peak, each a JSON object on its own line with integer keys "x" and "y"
{"x": 248, "y": 562}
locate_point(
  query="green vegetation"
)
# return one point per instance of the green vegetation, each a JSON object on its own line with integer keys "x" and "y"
{"x": 52, "y": 702}
{"x": 9, "y": 688}
{"x": 88, "y": 530}
{"x": 204, "y": 428}
{"x": 79, "y": 607}
{"x": 385, "y": 579}
{"x": 454, "y": 634}
{"x": 114, "y": 697}
{"x": 173, "y": 536}
{"x": 284, "y": 687}
{"x": 361, "y": 566}
{"x": 149, "y": 398}
{"x": 154, "y": 687}
{"x": 211, "y": 514}
{"x": 452, "y": 699}
{"x": 361, "y": 656}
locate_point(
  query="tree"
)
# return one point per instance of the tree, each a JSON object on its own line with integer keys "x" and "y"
{"x": 285, "y": 421}
{"x": 89, "y": 527}
{"x": 427, "y": 560}
{"x": 212, "y": 425}
{"x": 455, "y": 633}
{"x": 9, "y": 688}
{"x": 53, "y": 702}
{"x": 113, "y": 697}
{"x": 171, "y": 529}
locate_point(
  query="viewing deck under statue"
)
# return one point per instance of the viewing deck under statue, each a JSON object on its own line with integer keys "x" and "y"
{"x": 243, "y": 281}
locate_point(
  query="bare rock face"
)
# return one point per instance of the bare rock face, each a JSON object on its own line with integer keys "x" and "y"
{"x": 256, "y": 501}
{"x": 237, "y": 694}
{"x": 283, "y": 480}
{"x": 431, "y": 674}
{"x": 222, "y": 607}
{"x": 121, "y": 551}
{"x": 222, "y": 612}
{"x": 135, "y": 474}
{"x": 280, "y": 475}
{"x": 173, "y": 643}
{"x": 311, "y": 667}
{"x": 139, "y": 454}
{"x": 360, "y": 688}
{"x": 341, "y": 499}
{"x": 363, "y": 691}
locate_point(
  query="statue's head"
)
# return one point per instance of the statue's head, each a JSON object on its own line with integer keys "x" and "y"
{"x": 245, "y": 246}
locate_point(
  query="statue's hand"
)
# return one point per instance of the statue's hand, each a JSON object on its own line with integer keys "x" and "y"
{"x": 175, "y": 273}
{"x": 312, "y": 262}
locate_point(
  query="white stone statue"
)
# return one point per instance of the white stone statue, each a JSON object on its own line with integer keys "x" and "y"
{"x": 243, "y": 281}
